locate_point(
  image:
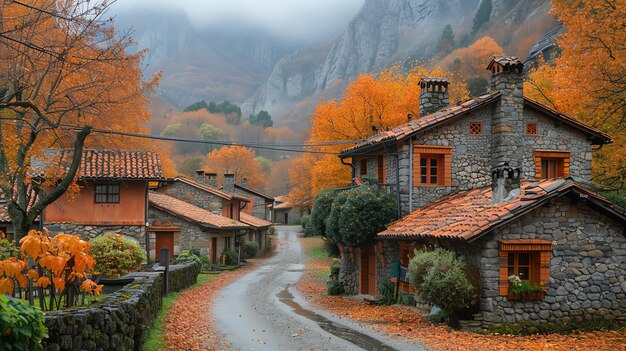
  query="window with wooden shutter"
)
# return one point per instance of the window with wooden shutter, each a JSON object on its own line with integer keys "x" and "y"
{"x": 381, "y": 171}
{"x": 432, "y": 165}
{"x": 551, "y": 164}
{"x": 363, "y": 165}
{"x": 528, "y": 259}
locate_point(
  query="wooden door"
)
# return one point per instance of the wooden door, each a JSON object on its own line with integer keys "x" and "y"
{"x": 364, "y": 272}
{"x": 286, "y": 218}
{"x": 213, "y": 250}
{"x": 164, "y": 240}
{"x": 367, "y": 271}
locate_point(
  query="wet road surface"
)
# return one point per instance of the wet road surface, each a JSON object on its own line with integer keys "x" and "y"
{"x": 262, "y": 311}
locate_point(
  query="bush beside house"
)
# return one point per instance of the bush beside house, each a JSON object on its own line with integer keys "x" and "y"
{"x": 116, "y": 255}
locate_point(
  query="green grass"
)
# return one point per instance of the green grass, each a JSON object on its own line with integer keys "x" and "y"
{"x": 155, "y": 340}
{"x": 315, "y": 247}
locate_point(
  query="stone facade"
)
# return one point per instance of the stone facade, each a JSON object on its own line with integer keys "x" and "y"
{"x": 587, "y": 266}
{"x": 191, "y": 234}
{"x": 259, "y": 203}
{"x": 193, "y": 195}
{"x": 349, "y": 272}
{"x": 88, "y": 232}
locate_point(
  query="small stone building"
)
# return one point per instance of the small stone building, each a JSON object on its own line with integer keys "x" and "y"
{"x": 261, "y": 205}
{"x": 497, "y": 178}
{"x": 179, "y": 225}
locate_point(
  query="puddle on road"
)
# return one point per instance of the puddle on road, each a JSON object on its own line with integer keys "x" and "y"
{"x": 359, "y": 339}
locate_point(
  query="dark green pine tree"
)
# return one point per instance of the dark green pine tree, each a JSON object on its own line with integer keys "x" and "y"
{"x": 482, "y": 15}
{"x": 446, "y": 42}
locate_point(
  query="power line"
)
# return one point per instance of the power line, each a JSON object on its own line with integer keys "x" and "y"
{"x": 262, "y": 146}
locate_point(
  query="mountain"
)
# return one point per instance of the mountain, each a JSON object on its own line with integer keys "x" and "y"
{"x": 213, "y": 63}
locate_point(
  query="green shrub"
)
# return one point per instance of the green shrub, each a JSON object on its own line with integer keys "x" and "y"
{"x": 115, "y": 255}
{"x": 321, "y": 211}
{"x": 187, "y": 256}
{"x": 304, "y": 221}
{"x": 445, "y": 284}
{"x": 7, "y": 249}
{"x": 21, "y": 325}
{"x": 231, "y": 257}
{"x": 405, "y": 299}
{"x": 332, "y": 221}
{"x": 271, "y": 230}
{"x": 250, "y": 249}
{"x": 367, "y": 211}
{"x": 386, "y": 293}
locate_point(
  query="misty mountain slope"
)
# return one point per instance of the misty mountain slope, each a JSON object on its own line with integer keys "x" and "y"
{"x": 214, "y": 63}
{"x": 370, "y": 41}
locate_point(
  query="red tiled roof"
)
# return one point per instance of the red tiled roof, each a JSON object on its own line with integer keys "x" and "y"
{"x": 287, "y": 205}
{"x": 458, "y": 110}
{"x": 253, "y": 221}
{"x": 108, "y": 164}
{"x": 466, "y": 215}
{"x": 192, "y": 213}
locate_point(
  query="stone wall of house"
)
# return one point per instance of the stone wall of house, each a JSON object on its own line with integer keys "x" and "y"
{"x": 116, "y": 323}
{"x": 385, "y": 262}
{"x": 587, "y": 266}
{"x": 349, "y": 272}
{"x": 194, "y": 196}
{"x": 88, "y": 232}
{"x": 258, "y": 203}
{"x": 562, "y": 138}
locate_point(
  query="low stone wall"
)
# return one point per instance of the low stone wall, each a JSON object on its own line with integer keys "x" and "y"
{"x": 183, "y": 275}
{"x": 116, "y": 323}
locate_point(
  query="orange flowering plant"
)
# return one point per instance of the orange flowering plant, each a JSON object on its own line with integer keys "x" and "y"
{"x": 59, "y": 269}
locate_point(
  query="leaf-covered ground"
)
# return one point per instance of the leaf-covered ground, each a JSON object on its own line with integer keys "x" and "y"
{"x": 189, "y": 325}
{"x": 404, "y": 322}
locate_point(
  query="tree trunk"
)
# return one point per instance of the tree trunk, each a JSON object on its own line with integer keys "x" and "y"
{"x": 349, "y": 274}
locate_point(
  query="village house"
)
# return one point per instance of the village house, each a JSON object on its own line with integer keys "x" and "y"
{"x": 287, "y": 212}
{"x": 261, "y": 205}
{"x": 113, "y": 195}
{"x": 499, "y": 180}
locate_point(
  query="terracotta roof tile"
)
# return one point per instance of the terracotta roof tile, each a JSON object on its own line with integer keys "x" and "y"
{"x": 253, "y": 221}
{"x": 108, "y": 164}
{"x": 468, "y": 214}
{"x": 192, "y": 213}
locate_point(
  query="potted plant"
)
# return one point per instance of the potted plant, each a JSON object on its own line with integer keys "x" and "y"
{"x": 524, "y": 290}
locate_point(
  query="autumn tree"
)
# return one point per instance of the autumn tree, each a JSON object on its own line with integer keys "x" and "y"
{"x": 588, "y": 80}
{"x": 383, "y": 100}
{"x": 237, "y": 160}
{"x": 63, "y": 70}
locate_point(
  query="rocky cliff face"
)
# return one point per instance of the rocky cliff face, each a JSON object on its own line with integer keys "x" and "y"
{"x": 383, "y": 31}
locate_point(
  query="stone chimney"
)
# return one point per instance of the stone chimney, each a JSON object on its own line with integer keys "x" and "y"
{"x": 211, "y": 179}
{"x": 434, "y": 95}
{"x": 229, "y": 183}
{"x": 505, "y": 183}
{"x": 244, "y": 182}
{"x": 507, "y": 126}
{"x": 200, "y": 176}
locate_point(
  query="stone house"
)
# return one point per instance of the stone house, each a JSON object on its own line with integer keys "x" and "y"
{"x": 287, "y": 212}
{"x": 177, "y": 224}
{"x": 497, "y": 178}
{"x": 113, "y": 195}
{"x": 258, "y": 231}
{"x": 260, "y": 206}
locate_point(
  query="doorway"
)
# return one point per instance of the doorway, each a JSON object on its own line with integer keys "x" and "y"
{"x": 213, "y": 250}
{"x": 367, "y": 271}
{"x": 286, "y": 218}
{"x": 164, "y": 240}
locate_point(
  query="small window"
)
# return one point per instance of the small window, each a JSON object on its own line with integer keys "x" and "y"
{"x": 527, "y": 259}
{"x": 551, "y": 164}
{"x": 430, "y": 169}
{"x": 476, "y": 128}
{"x": 107, "y": 193}
{"x": 531, "y": 129}
{"x": 363, "y": 166}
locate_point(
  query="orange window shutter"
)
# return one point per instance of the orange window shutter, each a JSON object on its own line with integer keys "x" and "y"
{"x": 504, "y": 273}
{"x": 544, "y": 267}
{"x": 447, "y": 169}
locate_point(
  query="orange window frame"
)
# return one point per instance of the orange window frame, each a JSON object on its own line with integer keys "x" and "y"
{"x": 539, "y": 253}
{"x": 551, "y": 164}
{"x": 443, "y": 155}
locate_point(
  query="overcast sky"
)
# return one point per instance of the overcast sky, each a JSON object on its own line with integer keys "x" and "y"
{"x": 292, "y": 19}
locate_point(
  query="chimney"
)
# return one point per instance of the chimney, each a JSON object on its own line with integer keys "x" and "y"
{"x": 211, "y": 179}
{"x": 507, "y": 126}
{"x": 200, "y": 176}
{"x": 229, "y": 183}
{"x": 505, "y": 183}
{"x": 434, "y": 95}
{"x": 244, "y": 182}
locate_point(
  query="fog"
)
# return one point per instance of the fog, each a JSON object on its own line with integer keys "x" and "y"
{"x": 298, "y": 20}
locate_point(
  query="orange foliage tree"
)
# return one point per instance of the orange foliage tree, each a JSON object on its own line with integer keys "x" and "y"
{"x": 61, "y": 269}
{"x": 237, "y": 160}
{"x": 383, "y": 100}
{"x": 470, "y": 61}
{"x": 588, "y": 80}
{"x": 64, "y": 71}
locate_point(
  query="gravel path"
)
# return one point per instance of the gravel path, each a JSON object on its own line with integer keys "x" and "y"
{"x": 261, "y": 311}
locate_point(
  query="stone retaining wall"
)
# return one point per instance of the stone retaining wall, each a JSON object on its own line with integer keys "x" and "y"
{"x": 183, "y": 275}
{"x": 116, "y": 323}
{"x": 120, "y": 321}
